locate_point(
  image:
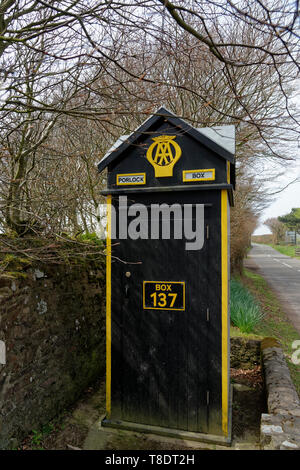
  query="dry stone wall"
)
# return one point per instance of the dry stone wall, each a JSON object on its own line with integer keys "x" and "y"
{"x": 52, "y": 327}
{"x": 280, "y": 428}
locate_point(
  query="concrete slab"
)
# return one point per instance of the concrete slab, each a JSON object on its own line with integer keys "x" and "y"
{"x": 101, "y": 438}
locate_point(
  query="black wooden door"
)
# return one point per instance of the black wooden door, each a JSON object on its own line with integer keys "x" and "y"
{"x": 160, "y": 357}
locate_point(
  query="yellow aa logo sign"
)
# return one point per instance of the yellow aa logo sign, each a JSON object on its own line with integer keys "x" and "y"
{"x": 163, "y": 154}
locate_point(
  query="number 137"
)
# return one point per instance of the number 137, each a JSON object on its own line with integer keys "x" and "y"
{"x": 161, "y": 299}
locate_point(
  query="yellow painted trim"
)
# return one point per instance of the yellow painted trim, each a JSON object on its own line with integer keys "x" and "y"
{"x": 163, "y": 282}
{"x": 224, "y": 261}
{"x": 206, "y": 170}
{"x": 228, "y": 172}
{"x": 108, "y": 309}
{"x": 130, "y": 174}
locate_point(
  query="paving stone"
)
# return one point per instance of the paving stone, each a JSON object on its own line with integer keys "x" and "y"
{"x": 287, "y": 445}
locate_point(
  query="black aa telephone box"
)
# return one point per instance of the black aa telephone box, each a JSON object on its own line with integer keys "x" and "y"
{"x": 167, "y": 292}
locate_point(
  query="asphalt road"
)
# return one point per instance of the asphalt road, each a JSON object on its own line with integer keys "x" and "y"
{"x": 283, "y": 274}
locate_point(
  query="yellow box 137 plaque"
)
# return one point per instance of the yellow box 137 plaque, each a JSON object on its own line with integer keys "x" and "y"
{"x": 163, "y": 154}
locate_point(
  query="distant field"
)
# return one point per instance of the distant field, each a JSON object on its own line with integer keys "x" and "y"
{"x": 267, "y": 239}
{"x": 288, "y": 250}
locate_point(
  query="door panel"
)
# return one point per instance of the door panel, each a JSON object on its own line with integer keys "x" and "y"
{"x": 160, "y": 358}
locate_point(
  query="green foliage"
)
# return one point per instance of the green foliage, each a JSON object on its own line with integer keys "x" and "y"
{"x": 12, "y": 266}
{"x": 90, "y": 238}
{"x": 36, "y": 440}
{"x": 292, "y": 220}
{"x": 11, "y": 259}
{"x": 275, "y": 322}
{"x": 245, "y": 312}
{"x": 289, "y": 250}
{"x": 16, "y": 255}
{"x": 38, "y": 436}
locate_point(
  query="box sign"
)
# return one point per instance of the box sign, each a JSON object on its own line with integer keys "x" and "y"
{"x": 131, "y": 178}
{"x": 164, "y": 295}
{"x": 198, "y": 175}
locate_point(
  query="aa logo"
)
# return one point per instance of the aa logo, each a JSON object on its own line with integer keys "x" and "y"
{"x": 163, "y": 154}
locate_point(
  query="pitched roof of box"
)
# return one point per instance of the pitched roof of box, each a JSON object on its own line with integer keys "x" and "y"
{"x": 220, "y": 139}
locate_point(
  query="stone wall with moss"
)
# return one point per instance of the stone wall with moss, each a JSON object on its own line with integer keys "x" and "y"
{"x": 244, "y": 352}
{"x": 52, "y": 322}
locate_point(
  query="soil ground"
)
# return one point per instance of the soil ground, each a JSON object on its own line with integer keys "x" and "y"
{"x": 76, "y": 429}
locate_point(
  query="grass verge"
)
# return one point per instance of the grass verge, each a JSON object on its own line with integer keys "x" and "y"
{"x": 275, "y": 322}
{"x": 288, "y": 250}
{"x": 245, "y": 312}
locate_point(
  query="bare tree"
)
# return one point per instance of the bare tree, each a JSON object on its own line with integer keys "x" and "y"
{"x": 238, "y": 38}
{"x": 23, "y": 131}
{"x": 277, "y": 228}
{"x": 77, "y": 74}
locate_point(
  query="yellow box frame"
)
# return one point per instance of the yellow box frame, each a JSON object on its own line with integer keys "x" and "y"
{"x": 206, "y": 170}
{"x": 130, "y": 174}
{"x": 164, "y": 282}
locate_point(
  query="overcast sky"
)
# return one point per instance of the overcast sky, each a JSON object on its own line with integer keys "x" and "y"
{"x": 284, "y": 201}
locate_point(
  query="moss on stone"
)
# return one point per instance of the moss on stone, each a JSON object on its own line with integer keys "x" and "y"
{"x": 270, "y": 343}
{"x": 14, "y": 275}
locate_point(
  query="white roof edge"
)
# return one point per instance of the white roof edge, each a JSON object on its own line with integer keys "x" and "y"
{"x": 122, "y": 138}
{"x": 221, "y": 135}
{"x": 115, "y": 145}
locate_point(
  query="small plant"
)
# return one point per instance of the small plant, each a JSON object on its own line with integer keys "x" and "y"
{"x": 38, "y": 436}
{"x": 245, "y": 312}
{"x": 90, "y": 238}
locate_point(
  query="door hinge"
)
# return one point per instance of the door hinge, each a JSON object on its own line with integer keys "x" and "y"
{"x": 207, "y": 314}
{"x": 207, "y": 397}
{"x": 207, "y": 232}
